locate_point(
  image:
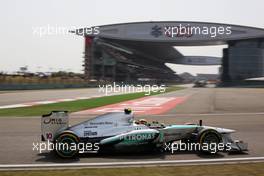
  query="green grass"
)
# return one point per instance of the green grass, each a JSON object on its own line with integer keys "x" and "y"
{"x": 216, "y": 170}
{"x": 77, "y": 105}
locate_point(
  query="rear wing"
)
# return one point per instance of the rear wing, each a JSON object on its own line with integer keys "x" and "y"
{"x": 53, "y": 123}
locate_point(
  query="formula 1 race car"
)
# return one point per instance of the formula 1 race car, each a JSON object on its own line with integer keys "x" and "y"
{"x": 118, "y": 131}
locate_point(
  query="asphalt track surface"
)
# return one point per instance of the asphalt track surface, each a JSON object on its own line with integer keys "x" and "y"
{"x": 241, "y": 109}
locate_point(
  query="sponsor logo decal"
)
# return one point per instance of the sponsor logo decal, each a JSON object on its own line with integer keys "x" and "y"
{"x": 156, "y": 31}
{"x": 138, "y": 137}
{"x": 53, "y": 121}
{"x": 101, "y": 123}
{"x": 90, "y": 133}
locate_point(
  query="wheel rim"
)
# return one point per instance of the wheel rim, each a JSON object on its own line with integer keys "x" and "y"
{"x": 211, "y": 138}
{"x": 66, "y": 143}
{"x": 208, "y": 139}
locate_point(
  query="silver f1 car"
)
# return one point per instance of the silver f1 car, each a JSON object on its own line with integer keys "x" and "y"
{"x": 118, "y": 131}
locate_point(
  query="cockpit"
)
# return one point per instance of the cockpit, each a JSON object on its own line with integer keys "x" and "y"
{"x": 152, "y": 125}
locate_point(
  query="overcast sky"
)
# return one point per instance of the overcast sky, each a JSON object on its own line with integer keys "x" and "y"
{"x": 19, "y": 46}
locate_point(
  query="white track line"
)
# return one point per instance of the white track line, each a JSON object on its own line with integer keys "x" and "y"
{"x": 27, "y": 104}
{"x": 160, "y": 162}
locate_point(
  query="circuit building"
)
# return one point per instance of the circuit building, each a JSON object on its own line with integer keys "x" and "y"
{"x": 138, "y": 51}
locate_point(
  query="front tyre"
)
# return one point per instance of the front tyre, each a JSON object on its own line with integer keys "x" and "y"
{"x": 209, "y": 141}
{"x": 67, "y": 145}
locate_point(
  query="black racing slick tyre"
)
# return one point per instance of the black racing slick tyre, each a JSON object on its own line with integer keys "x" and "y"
{"x": 66, "y": 145}
{"x": 209, "y": 141}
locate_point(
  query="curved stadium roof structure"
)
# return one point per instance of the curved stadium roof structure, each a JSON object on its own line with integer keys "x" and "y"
{"x": 137, "y": 50}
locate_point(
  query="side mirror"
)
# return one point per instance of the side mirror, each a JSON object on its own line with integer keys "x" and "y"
{"x": 200, "y": 123}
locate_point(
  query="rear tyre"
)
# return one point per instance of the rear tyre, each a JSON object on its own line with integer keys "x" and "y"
{"x": 67, "y": 145}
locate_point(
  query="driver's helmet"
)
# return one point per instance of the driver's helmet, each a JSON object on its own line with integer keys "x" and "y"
{"x": 127, "y": 111}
